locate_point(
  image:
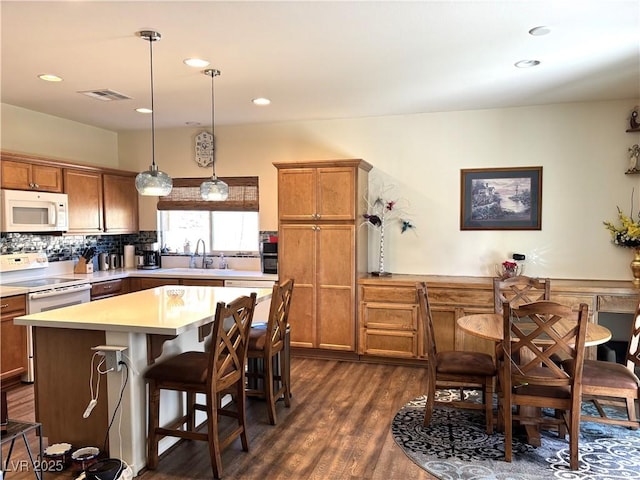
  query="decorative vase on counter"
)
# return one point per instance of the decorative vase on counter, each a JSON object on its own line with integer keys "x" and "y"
{"x": 381, "y": 272}
{"x": 508, "y": 269}
{"x": 635, "y": 267}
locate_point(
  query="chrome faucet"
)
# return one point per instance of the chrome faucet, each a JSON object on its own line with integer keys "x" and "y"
{"x": 195, "y": 253}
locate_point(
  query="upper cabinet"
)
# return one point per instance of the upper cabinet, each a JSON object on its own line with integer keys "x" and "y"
{"x": 120, "y": 203}
{"x": 323, "y": 192}
{"x": 17, "y": 175}
{"x": 84, "y": 189}
{"x": 101, "y": 200}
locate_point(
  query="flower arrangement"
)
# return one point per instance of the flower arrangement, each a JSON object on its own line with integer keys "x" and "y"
{"x": 508, "y": 269}
{"x": 379, "y": 213}
{"x": 628, "y": 233}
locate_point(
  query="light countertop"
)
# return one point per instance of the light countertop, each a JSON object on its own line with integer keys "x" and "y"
{"x": 164, "y": 314}
{"x": 101, "y": 276}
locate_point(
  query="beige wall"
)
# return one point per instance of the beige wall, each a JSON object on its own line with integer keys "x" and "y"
{"x": 25, "y": 131}
{"x": 582, "y": 148}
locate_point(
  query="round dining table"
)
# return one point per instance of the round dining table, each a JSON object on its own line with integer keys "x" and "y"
{"x": 490, "y": 327}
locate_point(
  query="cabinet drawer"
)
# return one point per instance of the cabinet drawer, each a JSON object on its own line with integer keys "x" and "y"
{"x": 387, "y": 343}
{"x": 574, "y": 301}
{"x": 390, "y": 316}
{"x": 15, "y": 303}
{"x": 107, "y": 289}
{"x": 460, "y": 297}
{"x": 389, "y": 294}
{"x": 617, "y": 303}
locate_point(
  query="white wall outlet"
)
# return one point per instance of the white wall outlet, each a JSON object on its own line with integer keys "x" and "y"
{"x": 112, "y": 356}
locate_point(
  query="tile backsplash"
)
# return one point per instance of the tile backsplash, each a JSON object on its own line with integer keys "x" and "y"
{"x": 69, "y": 247}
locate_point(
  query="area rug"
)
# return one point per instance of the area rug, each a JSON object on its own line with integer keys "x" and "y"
{"x": 455, "y": 445}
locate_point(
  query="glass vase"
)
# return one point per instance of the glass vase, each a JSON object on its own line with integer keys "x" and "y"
{"x": 381, "y": 272}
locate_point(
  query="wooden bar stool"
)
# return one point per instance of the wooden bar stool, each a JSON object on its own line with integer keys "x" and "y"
{"x": 268, "y": 356}
{"x": 220, "y": 368}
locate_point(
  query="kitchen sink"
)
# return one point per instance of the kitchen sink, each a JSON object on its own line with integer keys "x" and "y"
{"x": 204, "y": 271}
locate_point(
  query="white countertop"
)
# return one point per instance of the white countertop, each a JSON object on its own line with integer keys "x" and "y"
{"x": 101, "y": 276}
{"x": 162, "y": 314}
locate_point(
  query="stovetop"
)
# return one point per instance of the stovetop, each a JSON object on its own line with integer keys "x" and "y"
{"x": 40, "y": 282}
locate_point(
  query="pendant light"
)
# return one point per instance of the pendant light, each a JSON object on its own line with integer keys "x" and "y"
{"x": 213, "y": 189}
{"x": 152, "y": 182}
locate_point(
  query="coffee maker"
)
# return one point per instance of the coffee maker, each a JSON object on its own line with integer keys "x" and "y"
{"x": 150, "y": 256}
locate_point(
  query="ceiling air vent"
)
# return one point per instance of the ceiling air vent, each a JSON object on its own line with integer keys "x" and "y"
{"x": 105, "y": 95}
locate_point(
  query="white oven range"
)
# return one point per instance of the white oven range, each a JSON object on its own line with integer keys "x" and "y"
{"x": 43, "y": 292}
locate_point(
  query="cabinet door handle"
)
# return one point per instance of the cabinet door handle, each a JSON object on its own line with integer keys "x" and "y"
{"x": 4, "y": 305}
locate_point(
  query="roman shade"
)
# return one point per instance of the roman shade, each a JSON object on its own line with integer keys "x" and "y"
{"x": 185, "y": 195}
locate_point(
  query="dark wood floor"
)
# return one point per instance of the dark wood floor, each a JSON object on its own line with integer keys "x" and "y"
{"x": 338, "y": 427}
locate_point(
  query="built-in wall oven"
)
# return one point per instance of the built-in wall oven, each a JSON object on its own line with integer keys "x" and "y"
{"x": 43, "y": 293}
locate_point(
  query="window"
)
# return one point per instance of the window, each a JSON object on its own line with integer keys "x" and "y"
{"x": 228, "y": 227}
{"x": 222, "y": 232}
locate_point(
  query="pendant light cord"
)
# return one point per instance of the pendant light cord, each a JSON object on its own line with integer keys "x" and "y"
{"x": 153, "y": 108}
{"x": 213, "y": 73}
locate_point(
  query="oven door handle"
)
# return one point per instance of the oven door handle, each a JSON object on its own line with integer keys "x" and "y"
{"x": 57, "y": 292}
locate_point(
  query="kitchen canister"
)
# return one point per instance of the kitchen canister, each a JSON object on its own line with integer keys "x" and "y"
{"x": 129, "y": 257}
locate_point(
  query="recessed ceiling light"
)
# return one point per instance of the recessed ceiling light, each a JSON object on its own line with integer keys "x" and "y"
{"x": 143, "y": 110}
{"x": 261, "y": 101}
{"x": 50, "y": 77}
{"x": 539, "y": 31}
{"x": 195, "y": 62}
{"x": 527, "y": 63}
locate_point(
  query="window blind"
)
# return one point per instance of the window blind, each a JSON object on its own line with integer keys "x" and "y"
{"x": 185, "y": 195}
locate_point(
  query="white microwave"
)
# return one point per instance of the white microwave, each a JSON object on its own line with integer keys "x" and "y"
{"x": 26, "y": 211}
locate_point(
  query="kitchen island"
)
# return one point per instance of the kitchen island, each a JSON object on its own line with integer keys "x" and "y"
{"x": 150, "y": 324}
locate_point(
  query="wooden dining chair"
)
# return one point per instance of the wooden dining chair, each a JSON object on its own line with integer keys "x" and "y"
{"x": 458, "y": 369}
{"x": 519, "y": 290}
{"x": 613, "y": 384}
{"x": 532, "y": 334}
{"x": 219, "y": 368}
{"x": 266, "y": 345}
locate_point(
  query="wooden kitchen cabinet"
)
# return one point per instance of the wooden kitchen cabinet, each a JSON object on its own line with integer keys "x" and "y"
{"x": 13, "y": 340}
{"x": 322, "y": 249}
{"x": 389, "y": 321}
{"x": 120, "y": 203}
{"x": 84, "y": 189}
{"x": 317, "y": 193}
{"x": 109, "y": 288}
{"x": 143, "y": 283}
{"x": 17, "y": 175}
{"x": 203, "y": 282}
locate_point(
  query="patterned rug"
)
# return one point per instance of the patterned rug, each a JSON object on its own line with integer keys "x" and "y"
{"x": 456, "y": 446}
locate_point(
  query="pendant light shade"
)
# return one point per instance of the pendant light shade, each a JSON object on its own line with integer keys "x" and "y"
{"x": 213, "y": 189}
{"x": 152, "y": 182}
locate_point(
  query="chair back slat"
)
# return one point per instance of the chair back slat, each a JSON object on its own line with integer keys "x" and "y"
{"x": 633, "y": 350}
{"x": 429, "y": 344}
{"x": 519, "y": 290}
{"x": 228, "y": 346}
{"x": 278, "y": 321}
{"x": 539, "y": 332}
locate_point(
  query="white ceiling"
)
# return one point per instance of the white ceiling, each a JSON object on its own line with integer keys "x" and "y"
{"x": 314, "y": 59}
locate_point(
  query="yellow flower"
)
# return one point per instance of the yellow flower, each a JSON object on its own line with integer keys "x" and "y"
{"x": 628, "y": 234}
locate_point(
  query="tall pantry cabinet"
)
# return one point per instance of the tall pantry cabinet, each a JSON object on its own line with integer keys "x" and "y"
{"x": 323, "y": 248}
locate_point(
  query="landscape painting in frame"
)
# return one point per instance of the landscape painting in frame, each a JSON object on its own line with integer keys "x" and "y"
{"x": 501, "y": 198}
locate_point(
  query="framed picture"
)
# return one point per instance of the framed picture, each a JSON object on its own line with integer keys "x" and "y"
{"x": 501, "y": 198}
